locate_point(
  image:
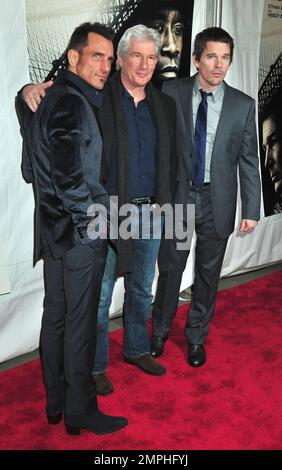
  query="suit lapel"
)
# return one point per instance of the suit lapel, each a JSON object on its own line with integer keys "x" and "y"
{"x": 185, "y": 95}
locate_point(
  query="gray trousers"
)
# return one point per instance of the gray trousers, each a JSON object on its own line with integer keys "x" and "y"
{"x": 210, "y": 251}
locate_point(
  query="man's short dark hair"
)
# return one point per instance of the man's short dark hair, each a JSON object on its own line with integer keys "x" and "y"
{"x": 79, "y": 37}
{"x": 212, "y": 34}
{"x": 78, "y": 41}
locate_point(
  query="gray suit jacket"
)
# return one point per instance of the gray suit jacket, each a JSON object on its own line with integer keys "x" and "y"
{"x": 235, "y": 146}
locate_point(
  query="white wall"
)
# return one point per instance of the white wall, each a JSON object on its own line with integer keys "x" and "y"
{"x": 20, "y": 310}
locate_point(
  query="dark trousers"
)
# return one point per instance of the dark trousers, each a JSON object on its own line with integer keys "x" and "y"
{"x": 68, "y": 334}
{"x": 210, "y": 251}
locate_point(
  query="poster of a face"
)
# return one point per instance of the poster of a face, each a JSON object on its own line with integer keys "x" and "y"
{"x": 50, "y": 25}
{"x": 271, "y": 153}
{"x": 173, "y": 21}
{"x": 270, "y": 108}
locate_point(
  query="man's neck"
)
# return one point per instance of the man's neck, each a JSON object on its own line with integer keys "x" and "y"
{"x": 137, "y": 93}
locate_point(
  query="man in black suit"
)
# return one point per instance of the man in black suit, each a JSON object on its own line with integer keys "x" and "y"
{"x": 63, "y": 163}
{"x": 216, "y": 136}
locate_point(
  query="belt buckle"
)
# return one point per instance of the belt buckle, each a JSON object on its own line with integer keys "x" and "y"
{"x": 142, "y": 200}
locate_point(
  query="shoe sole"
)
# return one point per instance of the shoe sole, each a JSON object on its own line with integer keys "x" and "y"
{"x": 75, "y": 430}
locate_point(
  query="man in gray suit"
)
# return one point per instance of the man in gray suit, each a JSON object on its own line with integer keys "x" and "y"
{"x": 216, "y": 135}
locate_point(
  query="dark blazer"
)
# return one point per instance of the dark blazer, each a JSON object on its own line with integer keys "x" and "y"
{"x": 235, "y": 146}
{"x": 64, "y": 158}
{"x": 112, "y": 117}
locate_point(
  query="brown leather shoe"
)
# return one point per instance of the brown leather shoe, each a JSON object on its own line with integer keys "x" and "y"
{"x": 103, "y": 384}
{"x": 146, "y": 363}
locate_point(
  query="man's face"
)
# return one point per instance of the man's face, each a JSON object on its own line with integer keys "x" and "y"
{"x": 273, "y": 152}
{"x": 213, "y": 64}
{"x": 170, "y": 26}
{"x": 138, "y": 65}
{"x": 94, "y": 62}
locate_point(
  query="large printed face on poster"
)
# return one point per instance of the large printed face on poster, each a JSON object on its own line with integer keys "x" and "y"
{"x": 271, "y": 153}
{"x": 50, "y": 25}
{"x": 270, "y": 107}
{"x": 270, "y": 133}
{"x": 173, "y": 21}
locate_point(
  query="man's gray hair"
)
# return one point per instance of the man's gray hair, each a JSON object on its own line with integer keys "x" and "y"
{"x": 139, "y": 33}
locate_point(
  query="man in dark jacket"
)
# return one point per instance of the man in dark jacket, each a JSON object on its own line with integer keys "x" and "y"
{"x": 139, "y": 166}
{"x": 63, "y": 163}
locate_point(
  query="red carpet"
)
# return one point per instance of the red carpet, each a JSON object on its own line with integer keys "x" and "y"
{"x": 233, "y": 402}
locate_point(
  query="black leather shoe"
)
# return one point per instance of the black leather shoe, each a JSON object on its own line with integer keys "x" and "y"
{"x": 196, "y": 355}
{"x": 147, "y": 364}
{"x": 157, "y": 346}
{"x": 95, "y": 421}
{"x": 54, "y": 419}
{"x": 103, "y": 384}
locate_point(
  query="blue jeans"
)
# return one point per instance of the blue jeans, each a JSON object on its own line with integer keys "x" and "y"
{"x": 138, "y": 292}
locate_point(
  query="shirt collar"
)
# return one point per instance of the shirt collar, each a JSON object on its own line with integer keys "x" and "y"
{"x": 90, "y": 92}
{"x": 216, "y": 94}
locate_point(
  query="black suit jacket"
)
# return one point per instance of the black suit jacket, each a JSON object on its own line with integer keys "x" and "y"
{"x": 235, "y": 148}
{"x": 62, "y": 157}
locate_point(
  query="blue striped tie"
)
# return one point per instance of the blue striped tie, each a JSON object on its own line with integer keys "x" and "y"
{"x": 198, "y": 162}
